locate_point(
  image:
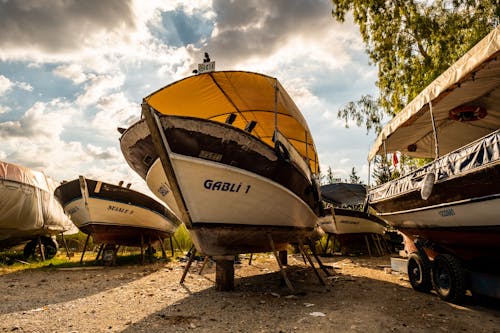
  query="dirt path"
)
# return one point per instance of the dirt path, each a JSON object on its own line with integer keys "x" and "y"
{"x": 361, "y": 297}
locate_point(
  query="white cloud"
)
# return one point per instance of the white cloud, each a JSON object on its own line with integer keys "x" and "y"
{"x": 73, "y": 72}
{"x": 24, "y": 86}
{"x": 116, "y": 110}
{"x": 5, "y": 85}
{"x": 98, "y": 87}
{"x": 100, "y": 153}
{"x": 4, "y": 109}
{"x": 43, "y": 121}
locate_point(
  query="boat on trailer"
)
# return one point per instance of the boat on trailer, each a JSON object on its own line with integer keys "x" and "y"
{"x": 115, "y": 215}
{"x": 29, "y": 210}
{"x": 232, "y": 155}
{"x": 449, "y": 207}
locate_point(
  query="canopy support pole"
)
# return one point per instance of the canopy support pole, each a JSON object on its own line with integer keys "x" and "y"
{"x": 369, "y": 171}
{"x": 385, "y": 162}
{"x": 275, "y": 106}
{"x": 434, "y": 131}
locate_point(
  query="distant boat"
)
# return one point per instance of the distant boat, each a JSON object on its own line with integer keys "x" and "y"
{"x": 232, "y": 155}
{"x": 113, "y": 214}
{"x": 453, "y": 203}
{"x": 343, "y": 221}
{"x": 349, "y": 222}
{"x": 28, "y": 209}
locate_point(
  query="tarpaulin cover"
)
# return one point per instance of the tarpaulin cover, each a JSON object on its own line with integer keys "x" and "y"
{"x": 250, "y": 96}
{"x": 476, "y": 155}
{"x": 343, "y": 193}
{"x": 27, "y": 204}
{"x": 473, "y": 81}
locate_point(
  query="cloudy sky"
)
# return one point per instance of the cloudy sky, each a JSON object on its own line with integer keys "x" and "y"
{"x": 71, "y": 72}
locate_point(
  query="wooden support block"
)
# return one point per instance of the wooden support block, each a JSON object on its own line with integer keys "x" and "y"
{"x": 224, "y": 273}
{"x": 283, "y": 257}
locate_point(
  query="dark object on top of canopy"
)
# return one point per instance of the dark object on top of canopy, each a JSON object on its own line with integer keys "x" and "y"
{"x": 343, "y": 193}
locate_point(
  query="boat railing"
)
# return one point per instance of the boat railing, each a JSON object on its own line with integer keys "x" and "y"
{"x": 478, "y": 154}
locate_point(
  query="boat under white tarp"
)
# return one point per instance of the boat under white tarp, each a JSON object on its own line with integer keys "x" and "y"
{"x": 28, "y": 208}
{"x": 473, "y": 81}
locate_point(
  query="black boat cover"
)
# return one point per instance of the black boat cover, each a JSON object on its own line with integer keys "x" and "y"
{"x": 340, "y": 194}
{"x": 481, "y": 153}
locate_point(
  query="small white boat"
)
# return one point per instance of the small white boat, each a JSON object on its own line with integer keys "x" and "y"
{"x": 347, "y": 221}
{"x": 113, "y": 214}
{"x": 232, "y": 155}
{"x": 28, "y": 209}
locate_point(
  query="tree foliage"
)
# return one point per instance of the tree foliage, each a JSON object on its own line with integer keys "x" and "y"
{"x": 328, "y": 178}
{"x": 354, "y": 177}
{"x": 411, "y": 42}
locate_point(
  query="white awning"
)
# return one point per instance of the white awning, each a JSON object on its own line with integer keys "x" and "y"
{"x": 468, "y": 89}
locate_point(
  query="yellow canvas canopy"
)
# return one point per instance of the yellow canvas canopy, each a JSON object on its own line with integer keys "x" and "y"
{"x": 250, "y": 96}
{"x": 465, "y": 106}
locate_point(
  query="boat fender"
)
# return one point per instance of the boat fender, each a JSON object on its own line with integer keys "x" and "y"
{"x": 281, "y": 151}
{"x": 427, "y": 185}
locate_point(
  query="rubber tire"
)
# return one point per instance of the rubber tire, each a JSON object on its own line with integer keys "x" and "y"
{"x": 419, "y": 273}
{"x": 51, "y": 247}
{"x": 449, "y": 278}
{"x": 29, "y": 249}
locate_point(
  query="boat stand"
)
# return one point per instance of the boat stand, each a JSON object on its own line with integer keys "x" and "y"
{"x": 68, "y": 254}
{"x": 108, "y": 254}
{"x": 162, "y": 247}
{"x": 99, "y": 252}
{"x": 85, "y": 248}
{"x": 277, "y": 256}
{"x": 192, "y": 252}
{"x": 205, "y": 260}
{"x": 301, "y": 248}
{"x": 323, "y": 267}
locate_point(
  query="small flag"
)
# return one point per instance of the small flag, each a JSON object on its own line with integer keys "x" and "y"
{"x": 394, "y": 159}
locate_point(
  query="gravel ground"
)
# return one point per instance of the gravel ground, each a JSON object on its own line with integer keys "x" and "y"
{"x": 359, "y": 297}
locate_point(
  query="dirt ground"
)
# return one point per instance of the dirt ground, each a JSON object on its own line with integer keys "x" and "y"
{"x": 360, "y": 297}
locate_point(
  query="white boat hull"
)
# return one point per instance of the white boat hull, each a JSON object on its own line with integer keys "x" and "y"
{"x": 340, "y": 224}
{"x": 482, "y": 213}
{"x": 105, "y": 212}
{"x": 115, "y": 215}
{"x": 231, "y": 203}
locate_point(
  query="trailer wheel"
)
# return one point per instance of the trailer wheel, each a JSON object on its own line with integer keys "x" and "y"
{"x": 29, "y": 249}
{"x": 448, "y": 278}
{"x": 50, "y": 247}
{"x": 419, "y": 273}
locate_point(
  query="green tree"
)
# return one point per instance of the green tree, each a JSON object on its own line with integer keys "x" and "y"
{"x": 353, "y": 177}
{"x": 381, "y": 170}
{"x": 411, "y": 42}
{"x": 329, "y": 176}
